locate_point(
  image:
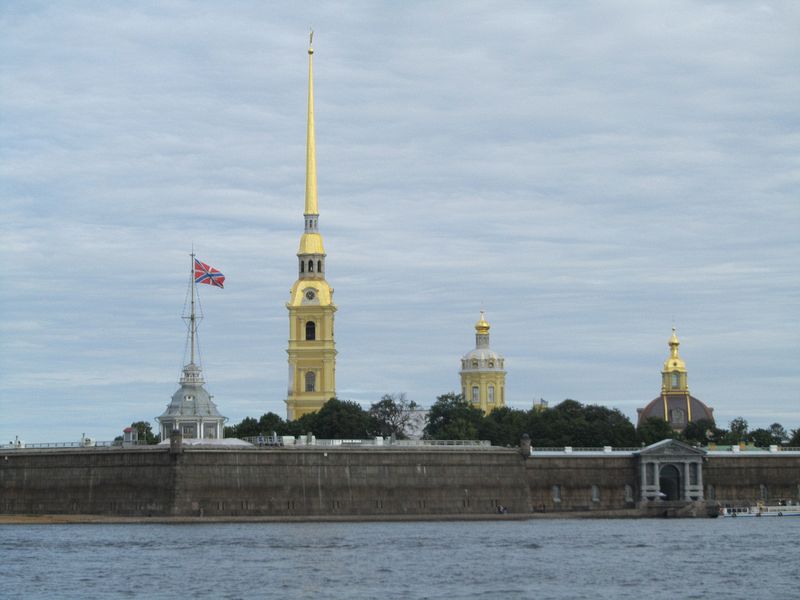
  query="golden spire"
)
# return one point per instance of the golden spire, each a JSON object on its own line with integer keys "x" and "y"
{"x": 311, "y": 155}
{"x": 674, "y": 363}
{"x": 673, "y": 345}
{"x": 482, "y": 326}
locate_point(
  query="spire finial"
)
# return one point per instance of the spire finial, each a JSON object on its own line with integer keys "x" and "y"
{"x": 311, "y": 152}
{"x": 482, "y": 326}
{"x": 311, "y": 41}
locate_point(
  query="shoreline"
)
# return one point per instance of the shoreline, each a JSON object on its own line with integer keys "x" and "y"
{"x": 167, "y": 520}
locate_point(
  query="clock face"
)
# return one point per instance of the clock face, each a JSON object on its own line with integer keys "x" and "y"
{"x": 310, "y": 294}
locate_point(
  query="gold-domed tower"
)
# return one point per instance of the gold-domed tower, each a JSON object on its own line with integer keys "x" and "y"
{"x": 312, "y": 351}
{"x": 483, "y": 380}
{"x": 675, "y": 405}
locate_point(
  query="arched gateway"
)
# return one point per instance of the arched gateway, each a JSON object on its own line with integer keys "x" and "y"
{"x": 671, "y": 471}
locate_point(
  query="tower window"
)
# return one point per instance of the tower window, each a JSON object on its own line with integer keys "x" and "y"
{"x": 311, "y": 379}
{"x": 676, "y": 380}
{"x": 319, "y": 266}
{"x": 311, "y": 330}
{"x": 311, "y": 266}
{"x": 302, "y": 266}
{"x": 474, "y": 364}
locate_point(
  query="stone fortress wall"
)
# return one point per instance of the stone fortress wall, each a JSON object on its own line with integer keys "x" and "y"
{"x": 362, "y": 482}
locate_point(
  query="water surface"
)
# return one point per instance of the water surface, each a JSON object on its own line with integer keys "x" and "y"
{"x": 542, "y": 559}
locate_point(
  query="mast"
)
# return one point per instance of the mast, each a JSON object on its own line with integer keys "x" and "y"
{"x": 192, "y": 318}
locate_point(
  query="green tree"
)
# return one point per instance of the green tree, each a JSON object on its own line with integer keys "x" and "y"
{"x": 503, "y": 426}
{"x": 702, "y": 431}
{"x": 453, "y": 418}
{"x": 248, "y": 427}
{"x": 654, "y": 430}
{"x": 341, "y": 419}
{"x": 778, "y": 433}
{"x": 737, "y": 431}
{"x": 794, "y": 440}
{"x": 761, "y": 438}
{"x": 390, "y": 415}
{"x": 270, "y": 422}
{"x": 145, "y": 431}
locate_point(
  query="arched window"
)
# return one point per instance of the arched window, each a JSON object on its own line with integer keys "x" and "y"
{"x": 491, "y": 394}
{"x": 302, "y": 266}
{"x": 311, "y": 266}
{"x": 319, "y": 266}
{"x": 676, "y": 380}
{"x": 475, "y": 394}
{"x": 311, "y": 379}
{"x": 311, "y": 330}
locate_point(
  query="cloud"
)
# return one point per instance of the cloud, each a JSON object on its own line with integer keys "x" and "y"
{"x": 588, "y": 174}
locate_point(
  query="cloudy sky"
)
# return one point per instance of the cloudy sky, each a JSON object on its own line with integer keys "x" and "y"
{"x": 590, "y": 173}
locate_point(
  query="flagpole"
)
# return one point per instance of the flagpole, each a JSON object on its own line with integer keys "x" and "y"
{"x": 192, "y": 319}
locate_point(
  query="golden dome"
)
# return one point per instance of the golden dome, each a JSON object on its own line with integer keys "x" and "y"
{"x": 482, "y": 326}
{"x": 674, "y": 362}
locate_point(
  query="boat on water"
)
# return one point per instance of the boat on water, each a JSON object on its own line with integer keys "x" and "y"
{"x": 760, "y": 510}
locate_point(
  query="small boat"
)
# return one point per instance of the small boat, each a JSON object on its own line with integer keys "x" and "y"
{"x": 760, "y": 510}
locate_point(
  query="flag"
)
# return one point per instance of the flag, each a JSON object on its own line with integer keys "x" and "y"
{"x": 206, "y": 274}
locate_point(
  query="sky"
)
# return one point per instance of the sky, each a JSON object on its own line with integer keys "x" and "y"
{"x": 590, "y": 174}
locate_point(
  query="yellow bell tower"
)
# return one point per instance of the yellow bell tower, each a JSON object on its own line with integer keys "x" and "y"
{"x": 312, "y": 351}
{"x": 483, "y": 379}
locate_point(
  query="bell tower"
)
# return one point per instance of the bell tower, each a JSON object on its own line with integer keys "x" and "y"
{"x": 312, "y": 351}
{"x": 483, "y": 378}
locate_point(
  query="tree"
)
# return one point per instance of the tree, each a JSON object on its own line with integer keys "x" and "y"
{"x": 778, "y": 433}
{"x": 145, "y": 432}
{"x": 340, "y": 419}
{"x": 453, "y": 418}
{"x": 702, "y": 431}
{"x": 390, "y": 415}
{"x": 761, "y": 438}
{"x": 738, "y": 430}
{"x": 247, "y": 428}
{"x": 503, "y": 426}
{"x": 654, "y": 430}
{"x": 794, "y": 441}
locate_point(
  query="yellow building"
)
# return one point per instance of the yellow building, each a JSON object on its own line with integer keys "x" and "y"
{"x": 675, "y": 404}
{"x": 312, "y": 351}
{"x": 483, "y": 380}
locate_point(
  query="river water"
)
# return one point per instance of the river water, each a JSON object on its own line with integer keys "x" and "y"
{"x": 544, "y": 559}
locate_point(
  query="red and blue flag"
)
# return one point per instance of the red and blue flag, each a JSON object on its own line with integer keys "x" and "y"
{"x": 203, "y": 273}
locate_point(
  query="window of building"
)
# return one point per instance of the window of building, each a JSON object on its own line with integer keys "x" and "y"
{"x": 712, "y": 492}
{"x": 693, "y": 473}
{"x": 595, "y": 493}
{"x": 311, "y": 379}
{"x": 628, "y": 493}
{"x": 311, "y": 266}
{"x": 556, "y": 493}
{"x": 676, "y": 380}
{"x": 319, "y": 266}
{"x": 491, "y": 394}
{"x": 650, "y": 474}
{"x": 302, "y": 266}
{"x": 474, "y": 364}
{"x": 209, "y": 431}
{"x": 476, "y": 396}
{"x": 764, "y": 492}
{"x": 311, "y": 330}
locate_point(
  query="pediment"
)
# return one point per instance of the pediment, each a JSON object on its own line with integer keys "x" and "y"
{"x": 671, "y": 448}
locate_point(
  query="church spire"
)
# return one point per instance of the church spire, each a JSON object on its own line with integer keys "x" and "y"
{"x": 311, "y": 153}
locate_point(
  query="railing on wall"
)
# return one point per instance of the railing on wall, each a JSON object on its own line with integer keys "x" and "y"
{"x": 273, "y": 441}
